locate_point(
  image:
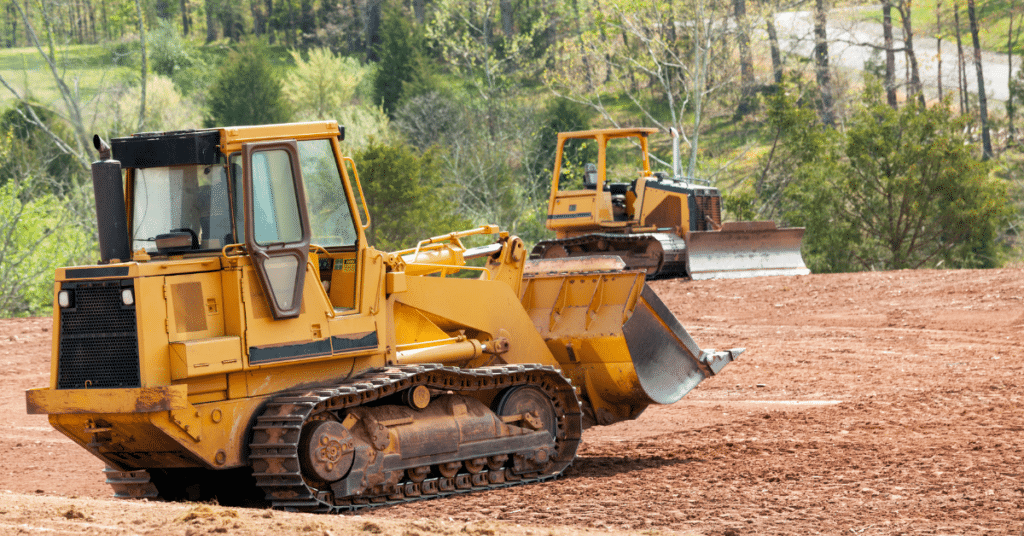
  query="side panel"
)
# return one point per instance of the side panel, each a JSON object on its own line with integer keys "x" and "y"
{"x": 488, "y": 308}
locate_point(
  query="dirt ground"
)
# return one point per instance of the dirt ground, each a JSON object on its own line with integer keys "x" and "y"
{"x": 869, "y": 403}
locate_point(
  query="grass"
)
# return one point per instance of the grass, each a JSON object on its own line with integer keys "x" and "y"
{"x": 91, "y": 70}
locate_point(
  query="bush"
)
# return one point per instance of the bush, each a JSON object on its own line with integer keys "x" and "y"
{"x": 168, "y": 51}
{"x": 247, "y": 90}
{"x": 320, "y": 86}
{"x": 405, "y": 195}
{"x": 404, "y": 69}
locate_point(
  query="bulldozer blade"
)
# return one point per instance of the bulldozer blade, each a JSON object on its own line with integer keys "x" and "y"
{"x": 667, "y": 361}
{"x": 745, "y": 249}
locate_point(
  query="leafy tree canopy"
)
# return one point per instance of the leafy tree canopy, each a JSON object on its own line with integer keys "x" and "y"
{"x": 247, "y": 90}
{"x": 902, "y": 189}
{"x": 405, "y": 195}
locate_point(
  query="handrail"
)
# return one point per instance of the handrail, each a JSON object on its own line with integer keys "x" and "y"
{"x": 359, "y": 185}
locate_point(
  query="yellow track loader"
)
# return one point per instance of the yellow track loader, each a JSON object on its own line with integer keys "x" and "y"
{"x": 605, "y": 200}
{"x": 240, "y": 340}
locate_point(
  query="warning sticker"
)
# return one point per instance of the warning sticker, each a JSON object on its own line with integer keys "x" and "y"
{"x": 346, "y": 265}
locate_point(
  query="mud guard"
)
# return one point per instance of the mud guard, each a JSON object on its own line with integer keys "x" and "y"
{"x": 745, "y": 249}
{"x": 667, "y": 361}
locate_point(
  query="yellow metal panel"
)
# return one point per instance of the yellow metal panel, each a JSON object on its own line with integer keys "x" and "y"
{"x": 152, "y": 326}
{"x": 232, "y": 138}
{"x": 484, "y": 306}
{"x": 412, "y": 327}
{"x": 175, "y": 267}
{"x": 195, "y": 306}
{"x": 200, "y": 357}
{"x": 55, "y": 337}
{"x": 396, "y": 282}
{"x": 54, "y": 401}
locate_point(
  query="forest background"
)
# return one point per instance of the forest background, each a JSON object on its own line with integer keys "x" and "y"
{"x": 451, "y": 109}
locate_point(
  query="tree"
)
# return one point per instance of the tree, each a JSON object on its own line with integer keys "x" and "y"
{"x": 39, "y": 232}
{"x": 915, "y": 194}
{"x": 319, "y": 86}
{"x": 485, "y": 44}
{"x": 905, "y": 192}
{"x": 81, "y": 143}
{"x": 405, "y": 195}
{"x": 659, "y": 60}
{"x": 404, "y": 69}
{"x": 821, "y": 64}
{"x": 247, "y": 91}
{"x": 986, "y": 140}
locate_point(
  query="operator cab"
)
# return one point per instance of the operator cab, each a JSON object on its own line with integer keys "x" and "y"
{"x": 187, "y": 198}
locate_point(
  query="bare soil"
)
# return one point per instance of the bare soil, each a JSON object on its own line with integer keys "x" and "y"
{"x": 868, "y": 403}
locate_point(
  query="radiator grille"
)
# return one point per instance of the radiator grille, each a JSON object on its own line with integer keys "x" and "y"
{"x": 99, "y": 347}
{"x": 710, "y": 206}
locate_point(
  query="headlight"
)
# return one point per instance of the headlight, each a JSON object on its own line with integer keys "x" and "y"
{"x": 127, "y": 296}
{"x": 64, "y": 298}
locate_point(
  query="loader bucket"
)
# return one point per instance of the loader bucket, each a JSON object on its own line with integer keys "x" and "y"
{"x": 745, "y": 249}
{"x": 615, "y": 339}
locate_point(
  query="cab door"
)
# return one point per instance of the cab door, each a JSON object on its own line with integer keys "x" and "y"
{"x": 277, "y": 232}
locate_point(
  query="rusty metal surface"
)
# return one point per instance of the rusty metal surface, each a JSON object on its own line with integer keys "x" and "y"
{"x": 746, "y": 249}
{"x": 454, "y": 433}
{"x": 67, "y": 401}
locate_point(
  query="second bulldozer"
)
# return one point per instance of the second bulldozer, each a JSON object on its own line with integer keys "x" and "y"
{"x": 605, "y": 200}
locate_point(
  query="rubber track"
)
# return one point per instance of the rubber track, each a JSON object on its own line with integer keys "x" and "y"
{"x": 276, "y": 459}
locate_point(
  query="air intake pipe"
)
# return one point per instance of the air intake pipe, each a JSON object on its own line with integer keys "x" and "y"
{"x": 111, "y": 216}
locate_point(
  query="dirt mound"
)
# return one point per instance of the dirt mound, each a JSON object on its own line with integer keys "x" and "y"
{"x": 872, "y": 403}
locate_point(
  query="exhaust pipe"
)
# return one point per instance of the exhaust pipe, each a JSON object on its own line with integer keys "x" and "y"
{"x": 111, "y": 216}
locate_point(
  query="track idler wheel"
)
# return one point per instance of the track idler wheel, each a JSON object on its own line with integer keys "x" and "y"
{"x": 326, "y": 451}
{"x": 532, "y": 404}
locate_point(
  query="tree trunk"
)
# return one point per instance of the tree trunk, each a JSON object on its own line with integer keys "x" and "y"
{"x": 743, "y": 39}
{"x": 211, "y": 21}
{"x": 143, "y": 69}
{"x": 773, "y": 44}
{"x": 908, "y": 39}
{"x": 419, "y": 9}
{"x": 506, "y": 17}
{"x": 890, "y": 55}
{"x": 308, "y": 22}
{"x": 961, "y": 69}
{"x": 186, "y": 18}
{"x": 938, "y": 42}
{"x": 821, "y": 66}
{"x": 372, "y": 29}
{"x": 270, "y": 27}
{"x": 986, "y": 140}
{"x": 259, "y": 21}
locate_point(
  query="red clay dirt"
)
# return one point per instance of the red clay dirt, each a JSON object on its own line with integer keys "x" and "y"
{"x": 868, "y": 403}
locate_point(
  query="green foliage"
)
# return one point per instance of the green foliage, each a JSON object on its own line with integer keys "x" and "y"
{"x": 247, "y": 90}
{"x": 899, "y": 189}
{"x": 168, "y": 51}
{"x": 39, "y": 232}
{"x": 318, "y": 87}
{"x": 405, "y": 195}
{"x": 404, "y": 69}
{"x": 561, "y": 115}
{"x": 31, "y": 151}
{"x": 474, "y": 47}
{"x": 166, "y": 108}
{"x": 922, "y": 198}
{"x": 363, "y": 124}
